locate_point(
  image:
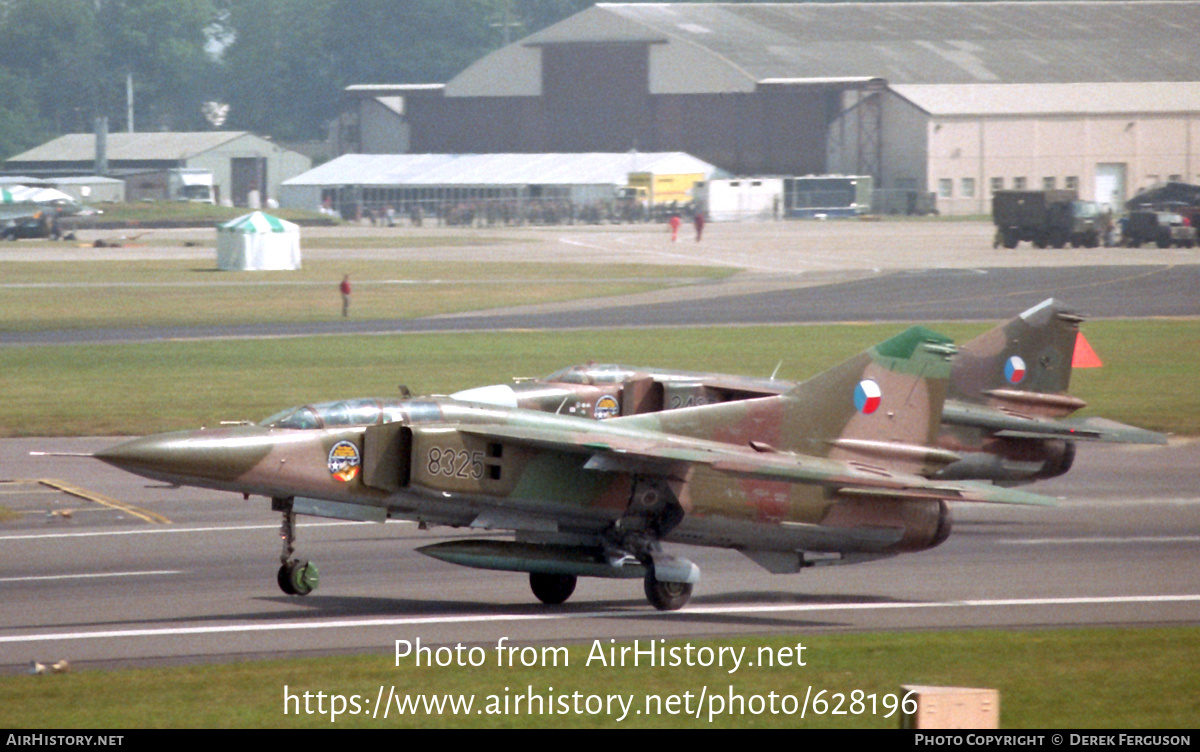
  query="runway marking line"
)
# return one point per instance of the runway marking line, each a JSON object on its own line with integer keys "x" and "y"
{"x": 1105, "y": 540}
{"x": 67, "y": 488}
{"x": 641, "y": 613}
{"x": 44, "y": 577}
{"x": 214, "y": 529}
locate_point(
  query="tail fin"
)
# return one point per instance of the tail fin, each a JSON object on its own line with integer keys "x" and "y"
{"x": 1030, "y": 354}
{"x": 882, "y": 407}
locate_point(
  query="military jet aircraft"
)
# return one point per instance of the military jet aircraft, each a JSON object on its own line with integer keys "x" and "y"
{"x": 1004, "y": 412}
{"x": 1007, "y": 405}
{"x": 36, "y": 212}
{"x": 830, "y": 472}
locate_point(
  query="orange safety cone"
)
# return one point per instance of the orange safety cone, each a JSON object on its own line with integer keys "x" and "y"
{"x": 1085, "y": 356}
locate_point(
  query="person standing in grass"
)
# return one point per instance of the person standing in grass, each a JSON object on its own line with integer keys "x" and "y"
{"x": 345, "y": 288}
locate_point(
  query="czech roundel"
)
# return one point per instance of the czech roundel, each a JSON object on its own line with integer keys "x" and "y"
{"x": 1014, "y": 370}
{"x": 867, "y": 396}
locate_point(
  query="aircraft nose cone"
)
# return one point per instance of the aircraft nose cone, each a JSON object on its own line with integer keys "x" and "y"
{"x": 188, "y": 456}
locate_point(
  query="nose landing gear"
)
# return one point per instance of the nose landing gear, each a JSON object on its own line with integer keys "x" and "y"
{"x": 295, "y": 576}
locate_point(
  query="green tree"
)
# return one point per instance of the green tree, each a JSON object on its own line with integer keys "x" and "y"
{"x": 289, "y": 60}
{"x": 281, "y": 64}
{"x": 75, "y": 55}
{"x": 54, "y": 47}
{"x": 278, "y": 68}
{"x": 21, "y": 127}
{"x": 162, "y": 43}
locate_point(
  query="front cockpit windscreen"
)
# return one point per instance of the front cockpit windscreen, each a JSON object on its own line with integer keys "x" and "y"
{"x": 360, "y": 412}
{"x": 293, "y": 417}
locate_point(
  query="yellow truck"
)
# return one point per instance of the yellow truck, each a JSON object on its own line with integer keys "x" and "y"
{"x": 663, "y": 189}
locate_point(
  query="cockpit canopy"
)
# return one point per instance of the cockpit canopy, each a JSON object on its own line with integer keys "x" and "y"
{"x": 592, "y": 373}
{"x": 355, "y": 412}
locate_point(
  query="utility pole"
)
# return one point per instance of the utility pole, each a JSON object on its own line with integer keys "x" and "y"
{"x": 506, "y": 23}
{"x": 129, "y": 101}
{"x": 101, "y": 129}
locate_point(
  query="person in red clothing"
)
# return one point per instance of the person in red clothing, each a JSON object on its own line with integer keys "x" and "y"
{"x": 698, "y": 222}
{"x": 675, "y": 222}
{"x": 345, "y": 288}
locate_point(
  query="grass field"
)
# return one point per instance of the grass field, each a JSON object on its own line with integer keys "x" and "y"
{"x": 99, "y": 294}
{"x": 1047, "y": 679}
{"x": 182, "y": 211}
{"x": 1148, "y": 378}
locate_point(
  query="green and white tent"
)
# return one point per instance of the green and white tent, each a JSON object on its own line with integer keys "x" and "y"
{"x": 258, "y": 241}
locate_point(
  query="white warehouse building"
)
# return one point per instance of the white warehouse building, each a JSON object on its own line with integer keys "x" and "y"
{"x": 1107, "y": 141}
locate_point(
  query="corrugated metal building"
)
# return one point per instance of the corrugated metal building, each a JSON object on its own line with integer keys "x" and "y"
{"x": 354, "y": 183}
{"x": 240, "y": 162}
{"x": 1055, "y": 92}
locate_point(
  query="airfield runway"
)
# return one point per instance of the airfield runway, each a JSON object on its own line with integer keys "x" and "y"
{"x": 108, "y": 585}
{"x": 105, "y": 587}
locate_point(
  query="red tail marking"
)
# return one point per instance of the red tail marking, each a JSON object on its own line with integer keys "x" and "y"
{"x": 1085, "y": 356}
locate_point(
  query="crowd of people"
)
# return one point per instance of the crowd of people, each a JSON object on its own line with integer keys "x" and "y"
{"x": 515, "y": 213}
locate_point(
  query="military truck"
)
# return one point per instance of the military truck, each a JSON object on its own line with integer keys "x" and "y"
{"x": 1045, "y": 218}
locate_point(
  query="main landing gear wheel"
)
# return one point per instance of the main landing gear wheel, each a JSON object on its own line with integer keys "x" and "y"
{"x": 552, "y": 589}
{"x": 666, "y": 596}
{"x": 298, "y": 577}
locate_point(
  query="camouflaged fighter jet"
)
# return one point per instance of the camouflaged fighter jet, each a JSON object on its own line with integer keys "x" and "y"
{"x": 830, "y": 472}
{"x": 1007, "y": 405}
{"x": 1004, "y": 410}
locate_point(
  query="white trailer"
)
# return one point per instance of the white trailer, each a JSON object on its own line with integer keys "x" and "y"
{"x": 190, "y": 184}
{"x": 740, "y": 199}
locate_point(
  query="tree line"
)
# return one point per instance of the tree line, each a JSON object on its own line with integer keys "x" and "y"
{"x": 280, "y": 65}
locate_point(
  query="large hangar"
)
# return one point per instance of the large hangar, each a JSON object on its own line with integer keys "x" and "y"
{"x": 859, "y": 88}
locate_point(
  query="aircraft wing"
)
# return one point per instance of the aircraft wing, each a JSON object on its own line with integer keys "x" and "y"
{"x": 618, "y": 450}
{"x": 1008, "y": 425}
{"x": 1112, "y": 431}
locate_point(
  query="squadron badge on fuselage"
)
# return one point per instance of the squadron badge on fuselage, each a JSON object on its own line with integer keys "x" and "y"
{"x": 344, "y": 461}
{"x": 606, "y": 407}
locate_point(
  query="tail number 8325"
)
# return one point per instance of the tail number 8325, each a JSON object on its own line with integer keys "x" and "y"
{"x": 455, "y": 464}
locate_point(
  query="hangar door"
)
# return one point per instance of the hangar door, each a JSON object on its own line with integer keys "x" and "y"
{"x": 248, "y": 174}
{"x": 1110, "y": 185}
{"x": 597, "y": 96}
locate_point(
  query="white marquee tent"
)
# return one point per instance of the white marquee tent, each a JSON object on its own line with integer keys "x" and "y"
{"x": 258, "y": 241}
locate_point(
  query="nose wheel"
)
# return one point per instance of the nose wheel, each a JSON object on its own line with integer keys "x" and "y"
{"x": 295, "y": 576}
{"x": 298, "y": 577}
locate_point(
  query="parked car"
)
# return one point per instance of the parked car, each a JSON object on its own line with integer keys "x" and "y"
{"x": 1164, "y": 229}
